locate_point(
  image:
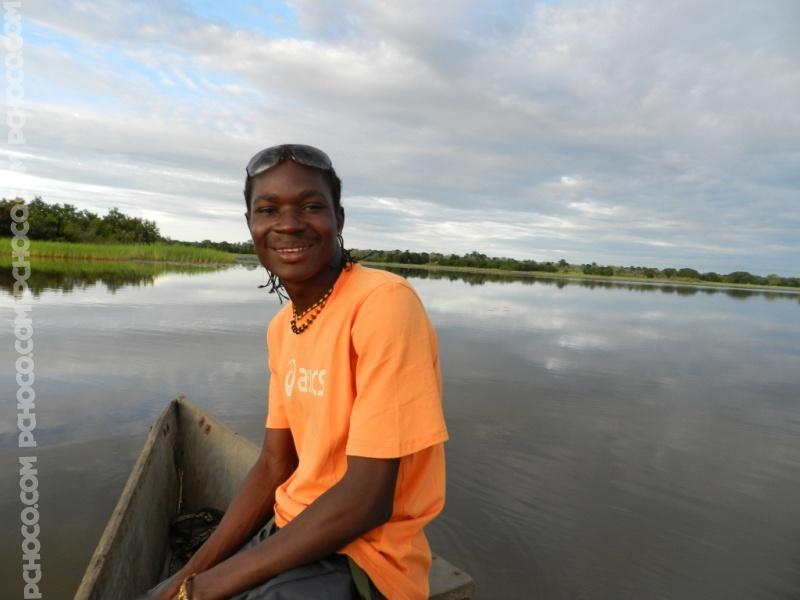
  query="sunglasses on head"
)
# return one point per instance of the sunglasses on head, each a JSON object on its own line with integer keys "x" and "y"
{"x": 300, "y": 153}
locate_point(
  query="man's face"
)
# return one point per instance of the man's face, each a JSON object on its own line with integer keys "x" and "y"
{"x": 294, "y": 224}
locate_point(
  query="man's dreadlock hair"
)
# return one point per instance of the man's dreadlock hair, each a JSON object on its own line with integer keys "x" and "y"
{"x": 273, "y": 284}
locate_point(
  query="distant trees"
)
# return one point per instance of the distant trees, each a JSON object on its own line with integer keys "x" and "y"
{"x": 688, "y": 273}
{"x": 472, "y": 259}
{"x": 743, "y": 277}
{"x": 595, "y": 269}
{"x": 232, "y": 247}
{"x": 479, "y": 260}
{"x": 65, "y": 223}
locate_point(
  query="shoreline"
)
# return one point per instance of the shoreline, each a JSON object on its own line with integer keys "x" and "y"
{"x": 197, "y": 259}
{"x": 575, "y": 276}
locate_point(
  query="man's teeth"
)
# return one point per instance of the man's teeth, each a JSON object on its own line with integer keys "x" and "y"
{"x": 291, "y": 250}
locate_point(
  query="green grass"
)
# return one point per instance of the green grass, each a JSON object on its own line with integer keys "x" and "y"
{"x": 101, "y": 268}
{"x": 158, "y": 252}
{"x": 68, "y": 275}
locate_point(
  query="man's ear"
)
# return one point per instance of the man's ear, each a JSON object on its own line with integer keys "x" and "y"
{"x": 340, "y": 219}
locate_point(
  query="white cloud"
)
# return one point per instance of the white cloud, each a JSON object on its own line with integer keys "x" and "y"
{"x": 592, "y": 208}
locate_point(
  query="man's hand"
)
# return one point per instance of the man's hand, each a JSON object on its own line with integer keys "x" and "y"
{"x": 359, "y": 502}
{"x": 248, "y": 511}
{"x": 169, "y": 591}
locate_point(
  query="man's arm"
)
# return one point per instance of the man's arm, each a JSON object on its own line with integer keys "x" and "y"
{"x": 249, "y": 510}
{"x": 359, "y": 502}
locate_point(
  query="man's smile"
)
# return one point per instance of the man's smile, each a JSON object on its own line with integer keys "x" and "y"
{"x": 294, "y": 252}
{"x": 292, "y": 249}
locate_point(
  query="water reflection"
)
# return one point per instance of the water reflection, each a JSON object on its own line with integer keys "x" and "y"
{"x": 605, "y": 442}
{"x": 474, "y": 279}
{"x": 608, "y": 443}
{"x": 69, "y": 276}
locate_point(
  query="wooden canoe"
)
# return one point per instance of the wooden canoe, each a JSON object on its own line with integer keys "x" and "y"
{"x": 190, "y": 460}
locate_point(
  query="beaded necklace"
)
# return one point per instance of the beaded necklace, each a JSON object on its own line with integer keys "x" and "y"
{"x": 314, "y": 309}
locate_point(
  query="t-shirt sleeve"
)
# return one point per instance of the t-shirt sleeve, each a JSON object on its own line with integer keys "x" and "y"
{"x": 276, "y": 411}
{"x": 398, "y": 407}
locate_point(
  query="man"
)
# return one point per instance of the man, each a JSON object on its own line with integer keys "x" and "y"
{"x": 352, "y": 463}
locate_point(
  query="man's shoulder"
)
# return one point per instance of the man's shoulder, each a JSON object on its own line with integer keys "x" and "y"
{"x": 385, "y": 296}
{"x": 365, "y": 280}
{"x": 374, "y": 276}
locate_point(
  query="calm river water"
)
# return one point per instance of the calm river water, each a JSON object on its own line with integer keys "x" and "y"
{"x": 608, "y": 442}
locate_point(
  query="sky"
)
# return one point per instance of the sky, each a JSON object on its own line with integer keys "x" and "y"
{"x": 622, "y": 132}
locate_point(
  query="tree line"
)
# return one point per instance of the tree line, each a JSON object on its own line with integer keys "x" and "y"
{"x": 474, "y": 259}
{"x": 479, "y": 260}
{"x": 232, "y": 247}
{"x": 690, "y": 274}
{"x": 64, "y": 222}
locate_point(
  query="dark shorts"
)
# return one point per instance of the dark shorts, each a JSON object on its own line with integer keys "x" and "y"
{"x": 327, "y": 579}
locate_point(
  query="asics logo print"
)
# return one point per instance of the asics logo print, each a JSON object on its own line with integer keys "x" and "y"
{"x": 288, "y": 381}
{"x": 309, "y": 381}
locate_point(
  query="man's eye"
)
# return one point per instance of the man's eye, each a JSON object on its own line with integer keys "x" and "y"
{"x": 266, "y": 210}
{"x": 314, "y": 206}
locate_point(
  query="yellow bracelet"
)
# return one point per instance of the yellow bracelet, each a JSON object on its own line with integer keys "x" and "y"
{"x": 183, "y": 593}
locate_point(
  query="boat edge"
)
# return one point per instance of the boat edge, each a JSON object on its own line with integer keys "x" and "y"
{"x": 120, "y": 512}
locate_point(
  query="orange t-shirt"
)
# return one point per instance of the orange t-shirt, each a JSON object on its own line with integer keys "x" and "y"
{"x": 364, "y": 380}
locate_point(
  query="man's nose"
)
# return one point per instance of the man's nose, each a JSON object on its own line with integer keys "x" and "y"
{"x": 290, "y": 220}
